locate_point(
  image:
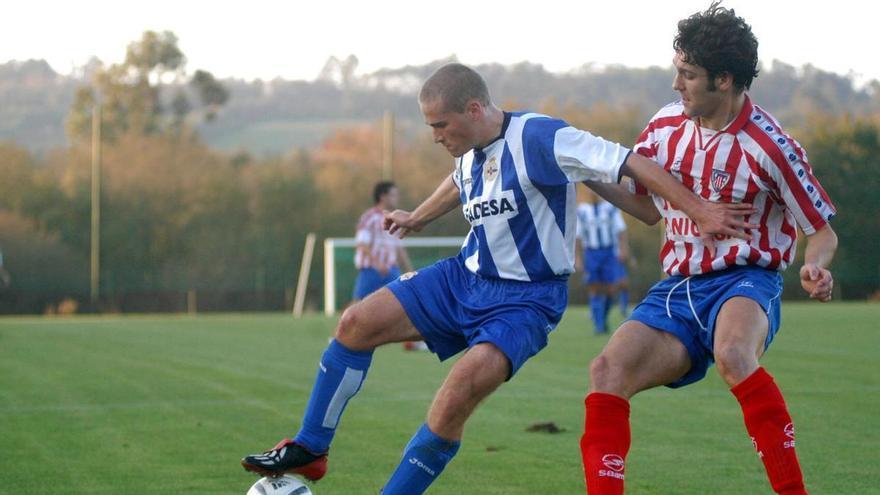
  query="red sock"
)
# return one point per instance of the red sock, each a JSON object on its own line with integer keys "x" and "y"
{"x": 771, "y": 429}
{"x": 605, "y": 443}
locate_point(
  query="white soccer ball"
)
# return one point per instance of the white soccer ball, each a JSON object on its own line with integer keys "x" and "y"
{"x": 283, "y": 485}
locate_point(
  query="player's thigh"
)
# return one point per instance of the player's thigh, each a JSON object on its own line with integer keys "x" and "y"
{"x": 376, "y": 320}
{"x": 741, "y": 322}
{"x": 637, "y": 358}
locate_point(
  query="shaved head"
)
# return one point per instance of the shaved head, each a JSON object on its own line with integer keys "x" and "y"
{"x": 455, "y": 85}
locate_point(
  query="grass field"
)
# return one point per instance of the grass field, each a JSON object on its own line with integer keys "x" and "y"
{"x": 168, "y": 404}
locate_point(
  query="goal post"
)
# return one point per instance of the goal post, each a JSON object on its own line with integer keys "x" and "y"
{"x": 340, "y": 273}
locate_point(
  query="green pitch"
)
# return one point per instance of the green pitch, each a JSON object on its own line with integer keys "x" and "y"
{"x": 168, "y": 404}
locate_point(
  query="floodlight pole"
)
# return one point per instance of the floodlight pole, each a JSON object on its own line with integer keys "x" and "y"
{"x": 95, "y": 271}
{"x": 388, "y": 145}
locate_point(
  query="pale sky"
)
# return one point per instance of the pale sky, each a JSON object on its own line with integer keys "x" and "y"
{"x": 292, "y": 39}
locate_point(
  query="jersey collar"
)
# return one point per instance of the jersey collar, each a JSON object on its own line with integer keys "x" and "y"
{"x": 732, "y": 128}
{"x": 504, "y": 125}
{"x": 740, "y": 121}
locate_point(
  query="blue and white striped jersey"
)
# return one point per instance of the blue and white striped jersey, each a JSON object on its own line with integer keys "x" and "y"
{"x": 518, "y": 194}
{"x": 599, "y": 224}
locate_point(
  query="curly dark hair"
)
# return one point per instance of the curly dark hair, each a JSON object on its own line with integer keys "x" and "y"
{"x": 720, "y": 42}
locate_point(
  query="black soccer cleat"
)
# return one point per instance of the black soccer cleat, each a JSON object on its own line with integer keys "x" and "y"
{"x": 287, "y": 458}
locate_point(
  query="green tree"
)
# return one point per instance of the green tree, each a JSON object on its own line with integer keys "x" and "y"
{"x": 845, "y": 154}
{"x": 130, "y": 93}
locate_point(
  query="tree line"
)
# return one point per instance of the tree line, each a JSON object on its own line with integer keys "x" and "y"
{"x": 180, "y": 215}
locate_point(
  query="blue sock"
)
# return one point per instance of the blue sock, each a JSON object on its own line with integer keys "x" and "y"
{"x": 340, "y": 375}
{"x": 424, "y": 458}
{"x": 624, "y": 302}
{"x": 597, "y": 310}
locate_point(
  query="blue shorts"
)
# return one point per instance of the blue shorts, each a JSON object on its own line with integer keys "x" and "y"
{"x": 369, "y": 280}
{"x": 601, "y": 266}
{"x": 687, "y": 308}
{"x": 455, "y": 309}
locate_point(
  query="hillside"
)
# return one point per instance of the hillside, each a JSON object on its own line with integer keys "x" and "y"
{"x": 273, "y": 117}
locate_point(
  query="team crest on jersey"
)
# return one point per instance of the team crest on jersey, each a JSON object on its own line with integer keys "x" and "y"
{"x": 490, "y": 170}
{"x": 720, "y": 178}
{"x": 408, "y": 275}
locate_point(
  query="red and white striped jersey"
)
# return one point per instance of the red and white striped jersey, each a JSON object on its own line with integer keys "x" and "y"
{"x": 752, "y": 160}
{"x": 381, "y": 245}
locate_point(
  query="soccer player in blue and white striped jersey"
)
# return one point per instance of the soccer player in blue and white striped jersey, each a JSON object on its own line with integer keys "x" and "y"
{"x": 601, "y": 233}
{"x": 500, "y": 297}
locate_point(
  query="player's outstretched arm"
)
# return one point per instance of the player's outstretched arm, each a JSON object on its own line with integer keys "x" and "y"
{"x": 816, "y": 279}
{"x": 711, "y": 218}
{"x": 641, "y": 207}
{"x": 440, "y": 202}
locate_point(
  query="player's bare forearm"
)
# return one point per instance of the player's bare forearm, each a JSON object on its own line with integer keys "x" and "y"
{"x": 443, "y": 200}
{"x": 641, "y": 207}
{"x": 712, "y": 218}
{"x": 816, "y": 278}
{"x": 821, "y": 246}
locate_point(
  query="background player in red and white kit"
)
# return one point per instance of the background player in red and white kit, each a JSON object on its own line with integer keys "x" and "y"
{"x": 718, "y": 304}
{"x": 379, "y": 254}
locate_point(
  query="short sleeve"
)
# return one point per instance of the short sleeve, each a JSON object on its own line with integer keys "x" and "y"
{"x": 366, "y": 229}
{"x": 796, "y": 185}
{"x": 582, "y": 156}
{"x": 557, "y": 153}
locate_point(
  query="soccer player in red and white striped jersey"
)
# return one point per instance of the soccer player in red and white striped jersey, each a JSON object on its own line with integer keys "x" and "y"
{"x": 378, "y": 253}
{"x": 721, "y": 301}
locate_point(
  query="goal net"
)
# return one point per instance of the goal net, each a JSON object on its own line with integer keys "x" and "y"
{"x": 340, "y": 273}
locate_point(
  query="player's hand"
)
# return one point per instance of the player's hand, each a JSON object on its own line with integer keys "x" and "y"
{"x": 817, "y": 281}
{"x": 723, "y": 220}
{"x": 400, "y": 223}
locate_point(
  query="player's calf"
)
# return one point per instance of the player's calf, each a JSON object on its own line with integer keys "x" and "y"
{"x": 772, "y": 431}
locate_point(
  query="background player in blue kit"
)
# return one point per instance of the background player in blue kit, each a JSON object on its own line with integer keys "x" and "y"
{"x": 498, "y": 299}
{"x": 601, "y": 233}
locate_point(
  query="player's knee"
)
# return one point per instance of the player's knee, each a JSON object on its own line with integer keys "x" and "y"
{"x": 735, "y": 362}
{"x": 605, "y": 376}
{"x": 350, "y": 329}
